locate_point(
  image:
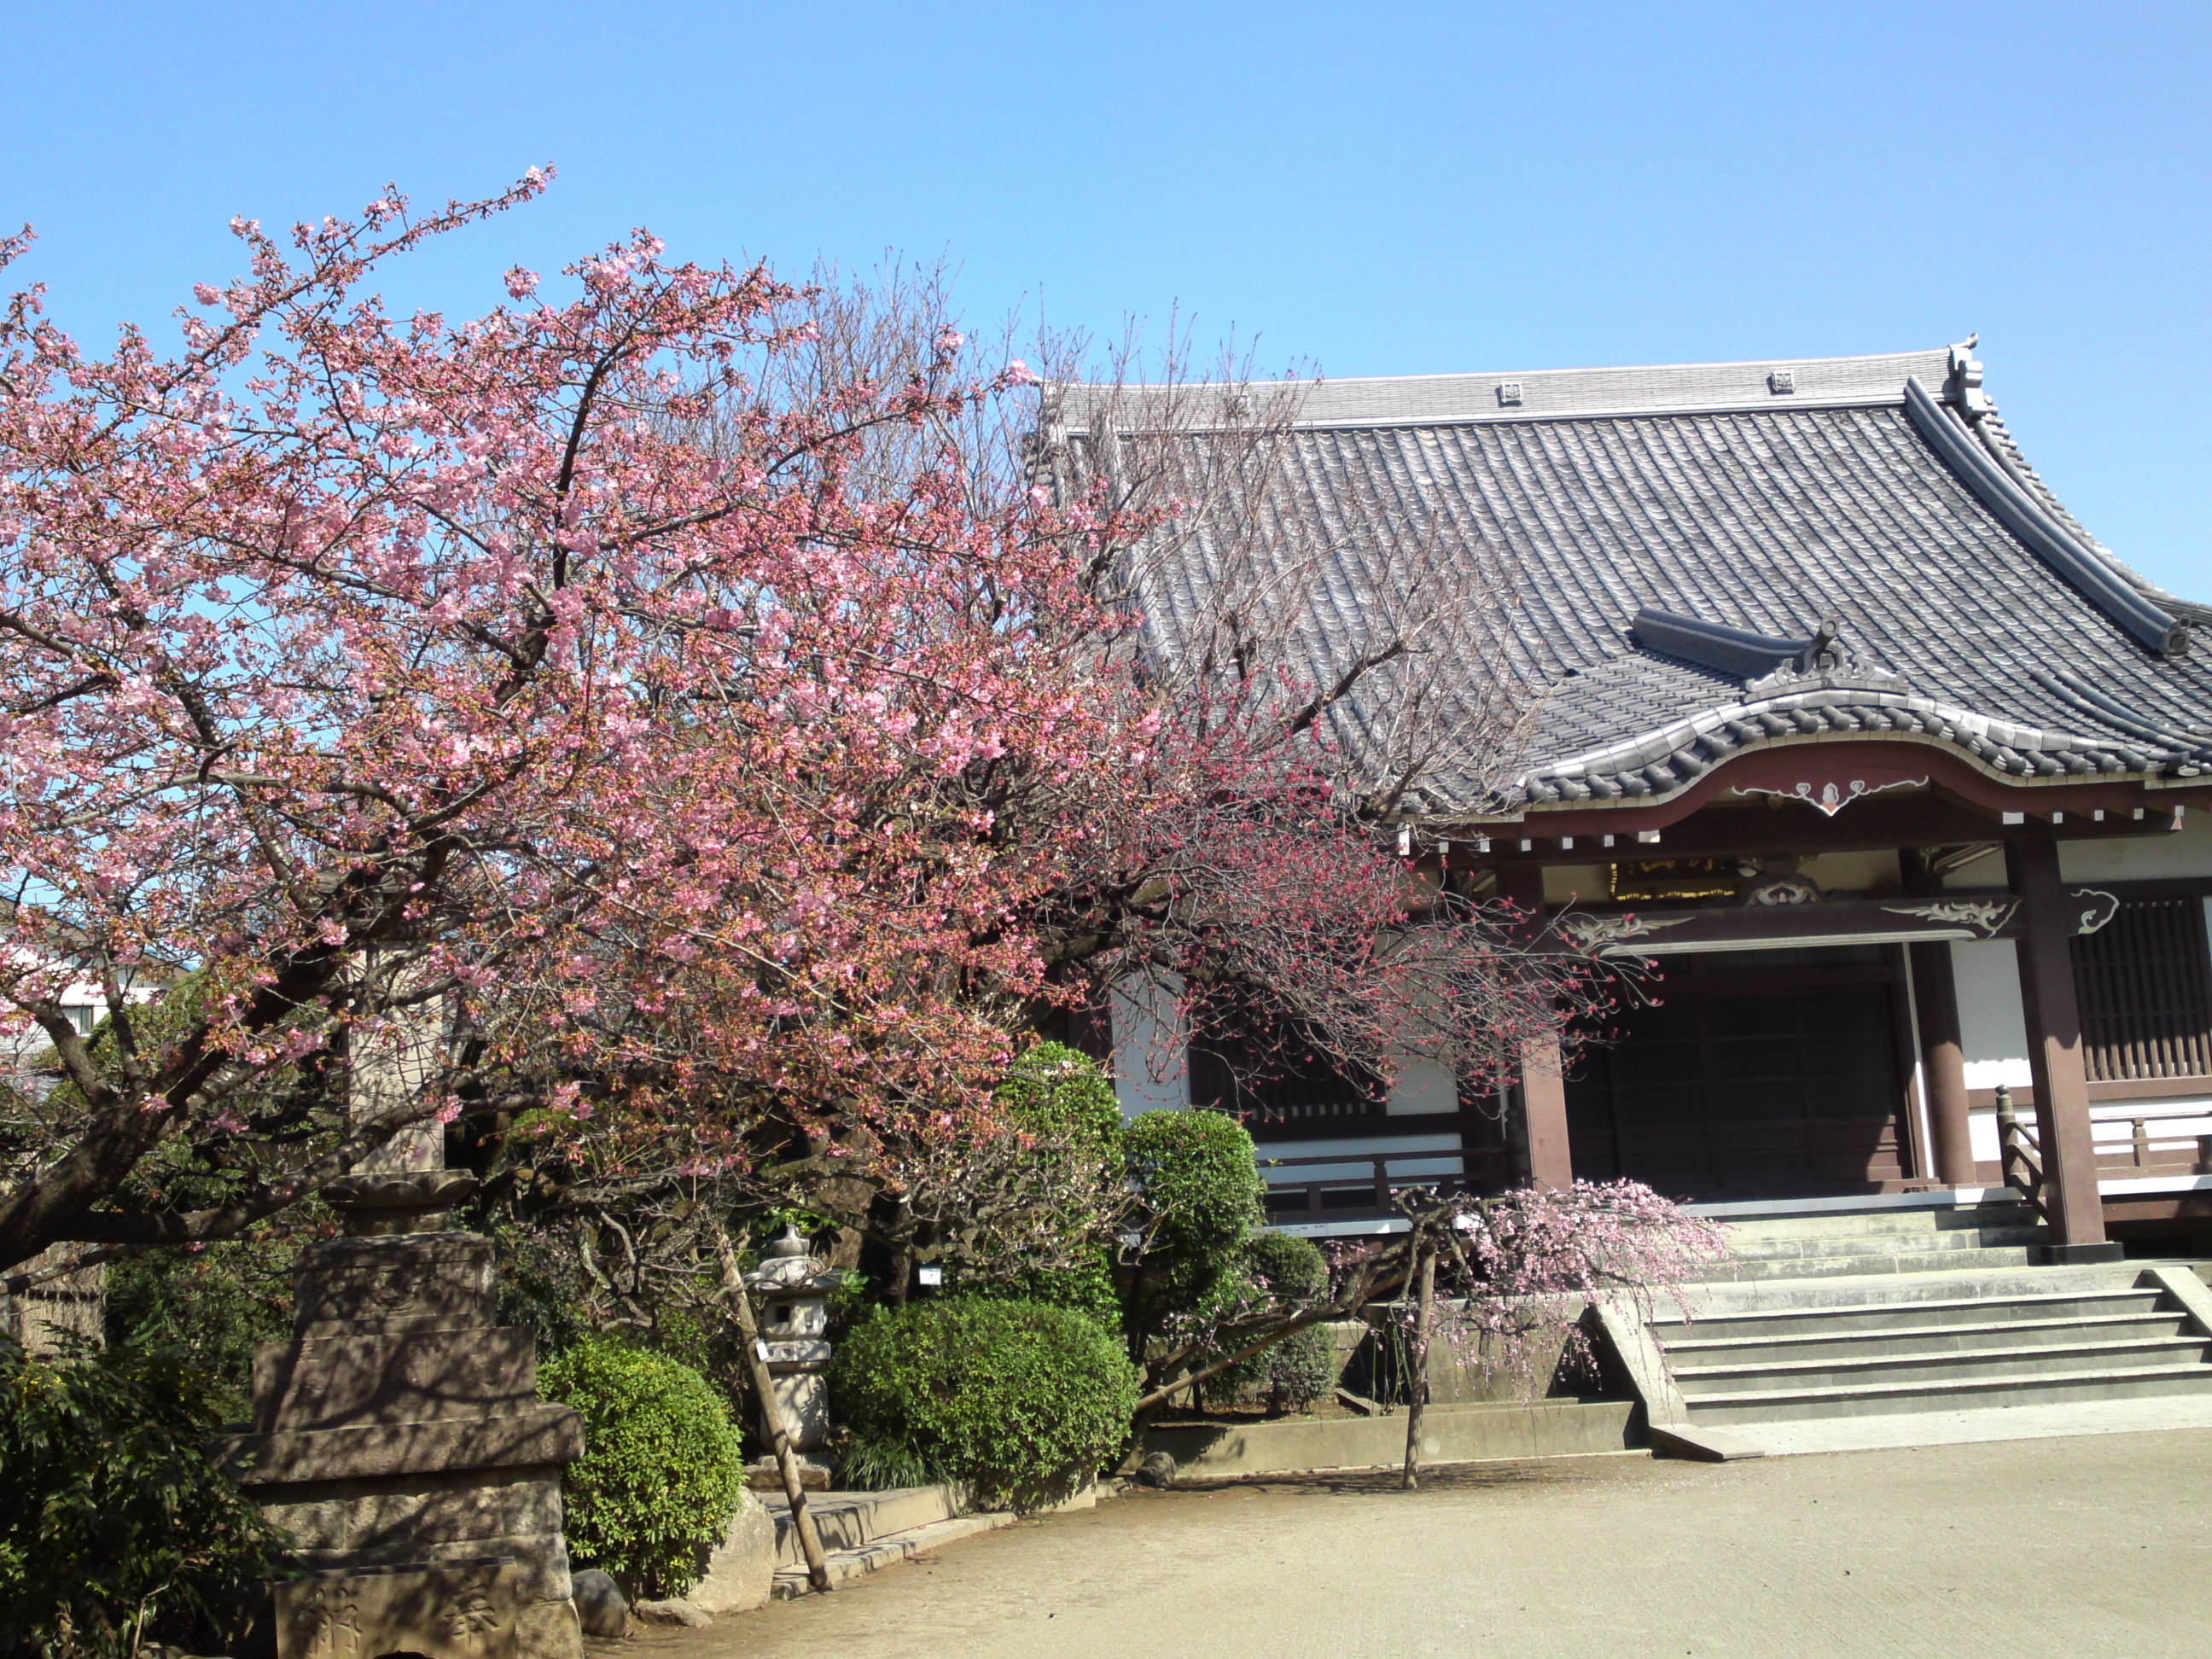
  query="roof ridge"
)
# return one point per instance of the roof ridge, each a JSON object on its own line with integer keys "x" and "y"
{"x": 1761, "y": 363}
{"x": 1995, "y": 483}
{"x": 1616, "y": 391}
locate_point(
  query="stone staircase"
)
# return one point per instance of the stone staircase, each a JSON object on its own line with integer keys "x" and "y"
{"x": 1897, "y": 1326}
{"x": 863, "y": 1532}
{"x": 1855, "y": 1244}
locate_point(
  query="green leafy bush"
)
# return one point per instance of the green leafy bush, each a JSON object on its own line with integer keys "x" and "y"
{"x": 116, "y": 1527}
{"x": 1087, "y": 1289}
{"x": 1197, "y": 1183}
{"x": 663, "y": 1465}
{"x": 1301, "y": 1368}
{"x": 1272, "y": 1270}
{"x": 1008, "y": 1398}
{"x": 1060, "y": 1090}
{"x": 1198, "y": 1191}
{"x": 214, "y": 1305}
{"x": 1059, "y": 1095}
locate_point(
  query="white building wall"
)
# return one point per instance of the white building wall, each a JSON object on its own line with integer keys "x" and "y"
{"x": 2184, "y": 852}
{"x": 1992, "y": 1019}
{"x": 1422, "y": 1085}
{"x": 1152, "y": 1072}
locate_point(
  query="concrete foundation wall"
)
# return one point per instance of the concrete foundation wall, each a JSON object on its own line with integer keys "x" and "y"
{"x": 1450, "y": 1434}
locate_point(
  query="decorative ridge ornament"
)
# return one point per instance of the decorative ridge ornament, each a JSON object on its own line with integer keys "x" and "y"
{"x": 1828, "y": 662}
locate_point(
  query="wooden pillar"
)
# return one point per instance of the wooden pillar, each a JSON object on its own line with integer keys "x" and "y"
{"x": 1943, "y": 1063}
{"x": 2067, "y": 1146}
{"x": 1543, "y": 1075}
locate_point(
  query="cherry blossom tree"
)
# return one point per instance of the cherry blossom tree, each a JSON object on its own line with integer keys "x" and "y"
{"x": 387, "y": 671}
{"x": 684, "y": 725}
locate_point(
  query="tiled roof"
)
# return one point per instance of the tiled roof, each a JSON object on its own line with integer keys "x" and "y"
{"x": 1705, "y": 493}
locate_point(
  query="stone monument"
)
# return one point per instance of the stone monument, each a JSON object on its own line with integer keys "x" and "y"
{"x": 399, "y": 1438}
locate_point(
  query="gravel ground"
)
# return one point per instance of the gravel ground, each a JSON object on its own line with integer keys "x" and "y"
{"x": 2090, "y": 1546}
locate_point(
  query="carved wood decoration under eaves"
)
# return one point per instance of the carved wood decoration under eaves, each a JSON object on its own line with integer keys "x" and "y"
{"x": 1829, "y": 795}
{"x": 1965, "y": 917}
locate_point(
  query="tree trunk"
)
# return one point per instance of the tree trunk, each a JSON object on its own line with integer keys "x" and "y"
{"x": 779, "y": 1434}
{"x": 1416, "y": 1389}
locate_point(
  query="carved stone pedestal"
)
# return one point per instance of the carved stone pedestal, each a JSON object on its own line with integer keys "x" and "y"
{"x": 400, "y": 1440}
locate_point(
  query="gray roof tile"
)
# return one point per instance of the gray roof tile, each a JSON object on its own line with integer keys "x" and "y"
{"x": 1821, "y": 503}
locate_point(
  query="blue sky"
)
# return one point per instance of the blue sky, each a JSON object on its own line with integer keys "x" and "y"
{"x": 1374, "y": 190}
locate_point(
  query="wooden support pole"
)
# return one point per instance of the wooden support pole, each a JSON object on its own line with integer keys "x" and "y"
{"x": 1543, "y": 1074}
{"x": 1943, "y": 1063}
{"x": 1544, "y": 1104}
{"x": 1417, "y": 1389}
{"x": 2067, "y": 1144}
{"x": 778, "y": 1432}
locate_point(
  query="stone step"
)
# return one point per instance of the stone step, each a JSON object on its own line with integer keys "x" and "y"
{"x": 855, "y": 1520}
{"x": 1765, "y": 1376}
{"x": 1966, "y": 1260}
{"x": 1685, "y": 1357}
{"x": 1724, "y": 1299}
{"x": 1792, "y": 1317}
{"x": 1807, "y": 1246}
{"x": 846, "y": 1565}
{"x": 1994, "y": 1390}
{"x": 1866, "y": 1224}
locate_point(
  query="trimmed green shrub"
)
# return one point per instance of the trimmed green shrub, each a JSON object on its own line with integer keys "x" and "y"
{"x": 1301, "y": 1368}
{"x": 1282, "y": 1268}
{"x": 116, "y": 1527}
{"x": 1198, "y": 1192}
{"x": 1087, "y": 1289}
{"x": 663, "y": 1467}
{"x": 1197, "y": 1182}
{"x": 1008, "y": 1398}
{"x": 1060, "y": 1090}
{"x": 1059, "y": 1095}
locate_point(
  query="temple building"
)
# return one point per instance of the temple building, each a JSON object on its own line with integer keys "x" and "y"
{"x": 1901, "y": 780}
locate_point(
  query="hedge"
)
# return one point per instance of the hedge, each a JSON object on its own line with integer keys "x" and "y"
{"x": 1010, "y": 1399}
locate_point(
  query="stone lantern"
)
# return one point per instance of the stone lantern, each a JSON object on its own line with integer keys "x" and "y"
{"x": 790, "y": 1292}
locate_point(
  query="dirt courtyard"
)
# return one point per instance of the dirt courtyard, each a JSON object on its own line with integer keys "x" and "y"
{"x": 2089, "y": 1545}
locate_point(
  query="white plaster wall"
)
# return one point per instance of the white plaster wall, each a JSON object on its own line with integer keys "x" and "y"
{"x": 2171, "y": 1126}
{"x": 1992, "y": 1023}
{"x": 1411, "y": 1158}
{"x": 2184, "y": 852}
{"x": 1151, "y": 1073}
{"x": 1422, "y": 1085}
{"x": 1986, "y": 872}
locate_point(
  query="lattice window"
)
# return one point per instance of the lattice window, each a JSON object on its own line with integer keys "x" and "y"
{"x": 1285, "y": 1081}
{"x": 2145, "y": 984}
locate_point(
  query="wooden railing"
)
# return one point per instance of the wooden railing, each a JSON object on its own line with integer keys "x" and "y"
{"x": 2017, "y": 1151}
{"x": 1360, "y": 1185}
{"x": 2145, "y": 1149}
